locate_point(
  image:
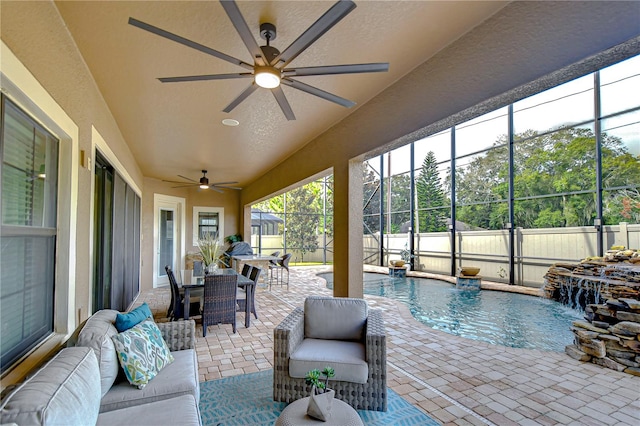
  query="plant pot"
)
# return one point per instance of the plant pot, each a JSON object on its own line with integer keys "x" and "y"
{"x": 320, "y": 404}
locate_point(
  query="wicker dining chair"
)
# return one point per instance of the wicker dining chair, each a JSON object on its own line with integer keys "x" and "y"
{"x": 246, "y": 270}
{"x": 242, "y": 294}
{"x": 176, "y": 307}
{"x": 219, "y": 301}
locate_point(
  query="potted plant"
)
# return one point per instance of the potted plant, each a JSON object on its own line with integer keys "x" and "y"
{"x": 321, "y": 396}
{"x": 210, "y": 250}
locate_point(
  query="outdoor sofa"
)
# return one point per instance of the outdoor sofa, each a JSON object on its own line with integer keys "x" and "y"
{"x": 84, "y": 384}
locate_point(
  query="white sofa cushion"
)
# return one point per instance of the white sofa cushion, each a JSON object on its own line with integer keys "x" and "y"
{"x": 178, "y": 378}
{"x": 182, "y": 410}
{"x": 66, "y": 391}
{"x": 346, "y": 358}
{"x": 96, "y": 334}
{"x": 337, "y": 318}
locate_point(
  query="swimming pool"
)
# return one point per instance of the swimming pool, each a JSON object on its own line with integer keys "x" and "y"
{"x": 500, "y": 318}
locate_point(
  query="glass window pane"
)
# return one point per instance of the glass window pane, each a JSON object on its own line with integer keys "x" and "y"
{"x": 617, "y": 83}
{"x": 621, "y": 206}
{"x": 559, "y": 162}
{"x": 482, "y": 132}
{"x": 556, "y": 212}
{"x": 482, "y": 216}
{"x": 399, "y": 161}
{"x": 483, "y": 177}
{"x": 621, "y": 150}
{"x": 26, "y": 294}
{"x": 562, "y": 106}
{"x": 439, "y": 144}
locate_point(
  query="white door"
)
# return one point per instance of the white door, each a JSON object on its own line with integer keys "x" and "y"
{"x": 168, "y": 236}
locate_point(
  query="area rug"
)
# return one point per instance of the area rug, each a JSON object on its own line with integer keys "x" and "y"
{"x": 248, "y": 400}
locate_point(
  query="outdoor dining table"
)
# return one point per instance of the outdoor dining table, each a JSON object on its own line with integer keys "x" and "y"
{"x": 260, "y": 261}
{"x": 189, "y": 281}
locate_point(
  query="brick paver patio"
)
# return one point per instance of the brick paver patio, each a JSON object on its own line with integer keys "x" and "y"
{"x": 453, "y": 379}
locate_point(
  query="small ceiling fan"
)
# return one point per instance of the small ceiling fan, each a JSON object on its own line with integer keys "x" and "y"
{"x": 269, "y": 69}
{"x": 203, "y": 183}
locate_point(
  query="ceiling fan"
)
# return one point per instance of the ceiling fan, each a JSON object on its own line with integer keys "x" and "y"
{"x": 203, "y": 183}
{"x": 270, "y": 68}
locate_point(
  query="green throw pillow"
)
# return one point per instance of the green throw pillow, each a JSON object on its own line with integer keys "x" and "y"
{"x": 142, "y": 352}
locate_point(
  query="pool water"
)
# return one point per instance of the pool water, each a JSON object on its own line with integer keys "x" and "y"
{"x": 500, "y": 318}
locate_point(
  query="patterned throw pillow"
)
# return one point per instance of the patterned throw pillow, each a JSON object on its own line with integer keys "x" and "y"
{"x": 142, "y": 352}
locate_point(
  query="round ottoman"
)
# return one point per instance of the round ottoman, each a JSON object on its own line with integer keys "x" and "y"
{"x": 342, "y": 414}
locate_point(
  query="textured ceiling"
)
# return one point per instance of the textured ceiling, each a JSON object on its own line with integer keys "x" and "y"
{"x": 175, "y": 128}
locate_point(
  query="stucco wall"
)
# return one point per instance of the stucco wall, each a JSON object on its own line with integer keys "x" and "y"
{"x": 36, "y": 34}
{"x": 229, "y": 201}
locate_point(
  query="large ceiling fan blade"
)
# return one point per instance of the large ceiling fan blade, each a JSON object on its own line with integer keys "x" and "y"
{"x": 318, "y": 92}
{"x": 278, "y": 93}
{"x": 185, "y": 186}
{"x": 228, "y": 187}
{"x": 184, "y": 177}
{"x": 189, "y": 43}
{"x": 243, "y": 30}
{"x": 216, "y": 189}
{"x": 336, "y": 69}
{"x": 244, "y": 95}
{"x": 314, "y": 32}
{"x": 224, "y": 183}
{"x": 205, "y": 77}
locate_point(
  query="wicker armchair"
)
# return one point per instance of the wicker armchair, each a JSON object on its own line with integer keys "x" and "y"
{"x": 329, "y": 313}
{"x": 219, "y": 301}
{"x": 179, "y": 335}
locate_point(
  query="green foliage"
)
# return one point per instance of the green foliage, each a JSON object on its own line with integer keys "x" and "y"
{"x": 230, "y": 239}
{"x": 209, "y": 249}
{"x": 314, "y": 377}
{"x": 432, "y": 203}
{"x": 302, "y": 219}
{"x": 558, "y": 171}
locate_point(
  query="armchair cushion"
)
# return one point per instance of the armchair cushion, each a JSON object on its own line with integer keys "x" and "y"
{"x": 346, "y": 358}
{"x": 336, "y": 318}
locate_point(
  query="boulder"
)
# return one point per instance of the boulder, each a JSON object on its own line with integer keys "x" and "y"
{"x": 632, "y": 370}
{"x": 609, "y": 363}
{"x": 631, "y": 303}
{"x": 595, "y": 348}
{"x": 574, "y": 352}
{"x": 625, "y": 328}
{"x": 587, "y": 326}
{"x": 628, "y": 316}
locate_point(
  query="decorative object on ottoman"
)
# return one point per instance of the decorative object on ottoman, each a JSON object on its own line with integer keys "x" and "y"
{"x": 321, "y": 396}
{"x": 469, "y": 271}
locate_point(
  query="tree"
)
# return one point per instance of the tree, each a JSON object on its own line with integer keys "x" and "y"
{"x": 554, "y": 182}
{"x": 432, "y": 202}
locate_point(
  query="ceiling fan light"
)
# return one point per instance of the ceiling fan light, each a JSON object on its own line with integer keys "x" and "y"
{"x": 267, "y": 77}
{"x": 204, "y": 186}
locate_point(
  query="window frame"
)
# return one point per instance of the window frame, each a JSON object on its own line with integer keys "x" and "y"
{"x": 196, "y": 222}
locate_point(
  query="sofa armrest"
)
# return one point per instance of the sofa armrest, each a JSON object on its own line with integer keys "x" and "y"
{"x": 286, "y": 338}
{"x": 179, "y": 335}
{"x": 376, "y": 341}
